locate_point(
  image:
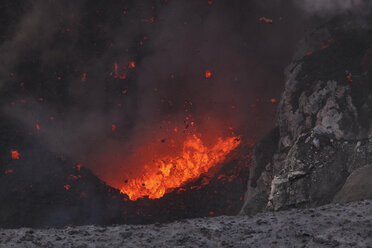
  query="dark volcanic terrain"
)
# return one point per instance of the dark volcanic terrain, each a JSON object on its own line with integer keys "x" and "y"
{"x": 336, "y": 225}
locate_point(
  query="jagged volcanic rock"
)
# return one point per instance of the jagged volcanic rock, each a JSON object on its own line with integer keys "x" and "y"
{"x": 323, "y": 126}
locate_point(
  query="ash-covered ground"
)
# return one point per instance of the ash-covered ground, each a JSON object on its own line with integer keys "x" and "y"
{"x": 335, "y": 225}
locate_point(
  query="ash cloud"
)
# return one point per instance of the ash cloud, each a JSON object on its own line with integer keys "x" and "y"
{"x": 327, "y": 7}
{"x": 53, "y": 43}
{"x": 51, "y": 46}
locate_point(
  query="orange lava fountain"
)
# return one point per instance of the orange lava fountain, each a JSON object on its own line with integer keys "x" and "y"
{"x": 171, "y": 172}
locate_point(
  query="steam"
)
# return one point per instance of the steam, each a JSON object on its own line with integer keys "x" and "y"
{"x": 327, "y": 6}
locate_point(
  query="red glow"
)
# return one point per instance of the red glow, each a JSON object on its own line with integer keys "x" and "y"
{"x": 113, "y": 127}
{"x": 67, "y": 187}
{"x": 8, "y": 172}
{"x": 324, "y": 46}
{"x": 73, "y": 177}
{"x": 123, "y": 76}
{"x": 266, "y": 20}
{"x": 309, "y": 53}
{"x": 84, "y": 77}
{"x": 116, "y": 72}
{"x": 171, "y": 172}
{"x": 349, "y": 78}
{"x": 37, "y": 126}
{"x": 132, "y": 64}
{"x": 15, "y": 154}
{"x": 208, "y": 74}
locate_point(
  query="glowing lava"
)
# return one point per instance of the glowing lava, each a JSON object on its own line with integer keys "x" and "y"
{"x": 171, "y": 172}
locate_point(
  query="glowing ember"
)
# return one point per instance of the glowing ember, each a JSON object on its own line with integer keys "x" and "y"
{"x": 208, "y": 74}
{"x": 15, "y": 154}
{"x": 171, "y": 172}
{"x": 117, "y": 75}
{"x": 37, "y": 126}
{"x": 324, "y": 46}
{"x": 84, "y": 77}
{"x": 132, "y": 64}
{"x": 349, "y": 78}
{"x": 113, "y": 127}
{"x": 265, "y": 20}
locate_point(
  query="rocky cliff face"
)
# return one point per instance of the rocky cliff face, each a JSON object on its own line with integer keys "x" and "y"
{"x": 323, "y": 126}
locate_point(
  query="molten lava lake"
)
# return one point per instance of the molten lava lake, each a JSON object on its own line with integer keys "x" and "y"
{"x": 169, "y": 172}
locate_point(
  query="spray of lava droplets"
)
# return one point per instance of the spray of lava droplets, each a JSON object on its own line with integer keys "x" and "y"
{"x": 172, "y": 172}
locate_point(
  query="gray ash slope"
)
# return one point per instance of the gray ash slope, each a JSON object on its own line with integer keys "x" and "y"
{"x": 335, "y": 225}
{"x": 323, "y": 125}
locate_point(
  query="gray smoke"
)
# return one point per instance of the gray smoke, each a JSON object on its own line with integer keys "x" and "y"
{"x": 245, "y": 56}
{"x": 326, "y": 7}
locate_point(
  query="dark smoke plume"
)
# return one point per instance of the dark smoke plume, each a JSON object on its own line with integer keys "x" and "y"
{"x": 58, "y": 75}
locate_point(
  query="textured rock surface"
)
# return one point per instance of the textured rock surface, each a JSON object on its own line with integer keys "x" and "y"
{"x": 323, "y": 121}
{"x": 335, "y": 225}
{"x": 358, "y": 186}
